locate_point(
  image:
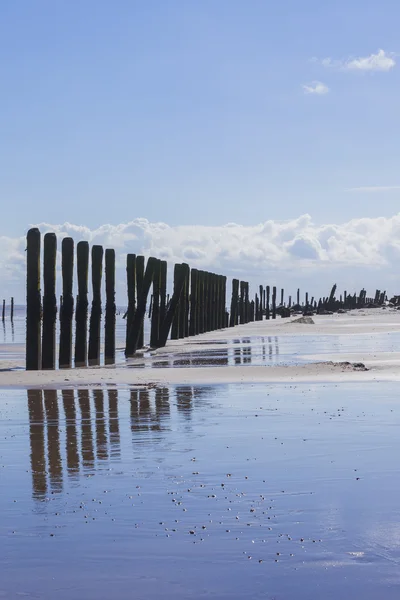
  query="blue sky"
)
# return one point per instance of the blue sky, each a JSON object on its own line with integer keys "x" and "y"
{"x": 194, "y": 112}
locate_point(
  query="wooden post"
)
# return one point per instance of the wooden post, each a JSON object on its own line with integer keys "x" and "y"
{"x": 12, "y": 310}
{"x": 67, "y": 308}
{"x": 139, "y": 286}
{"x": 298, "y": 296}
{"x": 306, "y": 300}
{"x": 131, "y": 282}
{"x": 290, "y": 302}
{"x": 257, "y": 308}
{"x": 247, "y": 307}
{"x": 186, "y": 299}
{"x": 207, "y": 302}
{"x": 109, "y": 326}
{"x": 178, "y": 286}
{"x": 223, "y": 302}
{"x": 274, "y": 302}
{"x": 241, "y": 303}
{"x": 49, "y": 302}
{"x": 183, "y": 310}
{"x": 82, "y": 304}
{"x": 155, "y": 316}
{"x": 176, "y": 315}
{"x": 282, "y": 295}
{"x": 211, "y": 303}
{"x": 234, "y": 303}
{"x": 201, "y": 277}
{"x": 137, "y": 324}
{"x": 267, "y": 301}
{"x": 95, "y": 315}
{"x": 33, "y": 349}
{"x": 3, "y": 314}
{"x": 163, "y": 290}
{"x": 193, "y": 302}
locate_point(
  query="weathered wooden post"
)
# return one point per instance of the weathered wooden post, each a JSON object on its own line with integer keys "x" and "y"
{"x": 223, "y": 303}
{"x": 82, "y": 304}
{"x": 213, "y": 304}
{"x": 109, "y": 325}
{"x": 201, "y": 301}
{"x": 282, "y": 295}
{"x": 306, "y": 300}
{"x": 207, "y": 301}
{"x": 67, "y": 308}
{"x": 33, "y": 350}
{"x": 173, "y": 304}
{"x": 234, "y": 303}
{"x": 139, "y": 286}
{"x": 241, "y": 303}
{"x": 298, "y": 297}
{"x": 163, "y": 290}
{"x": 274, "y": 302}
{"x": 252, "y": 313}
{"x": 137, "y": 324}
{"x": 131, "y": 283}
{"x": 257, "y": 308}
{"x": 49, "y": 302}
{"x": 267, "y": 302}
{"x": 12, "y": 310}
{"x": 290, "y": 302}
{"x": 184, "y": 306}
{"x": 193, "y": 302}
{"x": 176, "y": 315}
{"x": 95, "y": 314}
{"x": 155, "y": 316}
{"x": 3, "y": 313}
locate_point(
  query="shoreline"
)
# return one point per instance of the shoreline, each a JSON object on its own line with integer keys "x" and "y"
{"x": 328, "y": 368}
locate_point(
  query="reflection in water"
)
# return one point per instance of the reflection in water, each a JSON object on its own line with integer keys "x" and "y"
{"x": 101, "y": 435}
{"x": 79, "y": 431}
{"x": 86, "y": 430}
{"x": 71, "y": 442}
{"x": 113, "y": 423}
{"x": 53, "y": 439}
{"x": 36, "y": 433}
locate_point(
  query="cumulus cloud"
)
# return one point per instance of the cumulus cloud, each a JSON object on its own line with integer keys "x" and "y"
{"x": 275, "y": 252}
{"x": 381, "y": 61}
{"x": 315, "y": 87}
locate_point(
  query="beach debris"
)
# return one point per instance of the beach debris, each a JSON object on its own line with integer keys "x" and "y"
{"x": 304, "y": 321}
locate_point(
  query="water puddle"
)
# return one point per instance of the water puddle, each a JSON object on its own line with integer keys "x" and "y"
{"x": 252, "y": 491}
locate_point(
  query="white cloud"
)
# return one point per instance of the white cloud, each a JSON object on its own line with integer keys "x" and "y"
{"x": 315, "y": 87}
{"x": 374, "y": 188}
{"x": 360, "y": 252}
{"x": 381, "y": 61}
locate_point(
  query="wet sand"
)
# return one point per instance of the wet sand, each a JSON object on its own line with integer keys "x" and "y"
{"x": 200, "y": 492}
{"x": 277, "y": 351}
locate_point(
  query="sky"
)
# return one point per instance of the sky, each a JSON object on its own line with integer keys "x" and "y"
{"x": 205, "y": 118}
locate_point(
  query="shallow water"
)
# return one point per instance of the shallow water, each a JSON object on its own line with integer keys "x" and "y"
{"x": 182, "y": 491}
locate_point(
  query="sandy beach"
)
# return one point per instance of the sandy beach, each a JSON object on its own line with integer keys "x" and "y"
{"x": 364, "y": 328}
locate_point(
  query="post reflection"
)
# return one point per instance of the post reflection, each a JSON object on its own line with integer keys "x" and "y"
{"x": 71, "y": 439}
{"x": 73, "y": 433}
{"x": 115, "y": 442}
{"x": 53, "y": 440}
{"x": 87, "y": 449}
{"x": 37, "y": 439}
{"x": 101, "y": 434}
{"x": 149, "y": 412}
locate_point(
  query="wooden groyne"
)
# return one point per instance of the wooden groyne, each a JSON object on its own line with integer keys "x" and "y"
{"x": 198, "y": 303}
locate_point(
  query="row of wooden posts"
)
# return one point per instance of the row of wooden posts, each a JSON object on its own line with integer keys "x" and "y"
{"x": 3, "y": 312}
{"x": 197, "y": 304}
